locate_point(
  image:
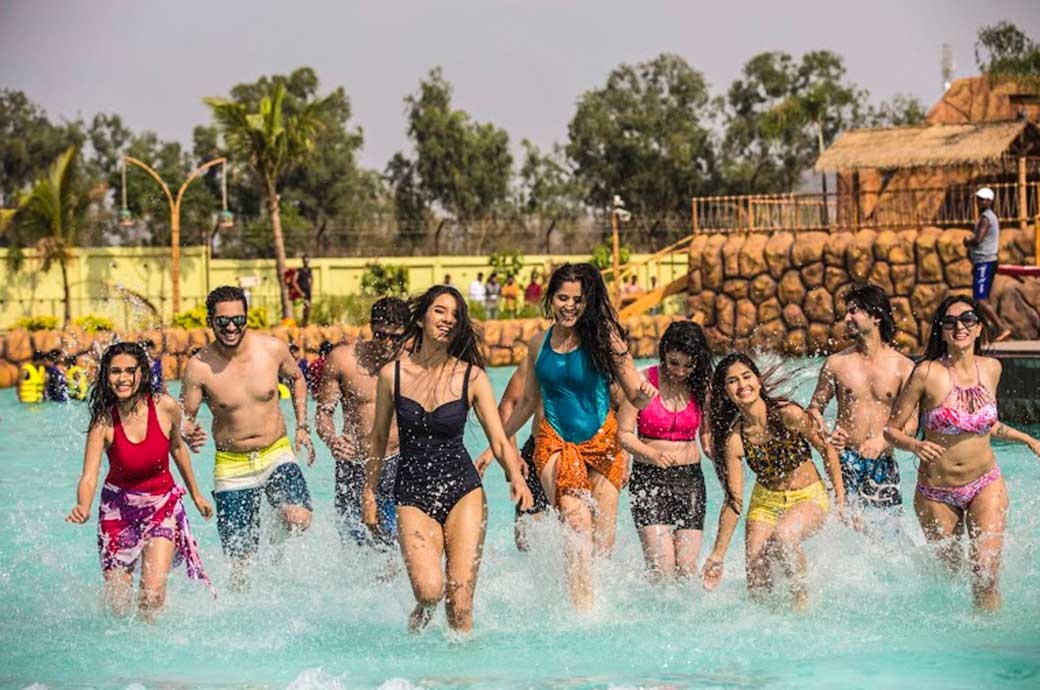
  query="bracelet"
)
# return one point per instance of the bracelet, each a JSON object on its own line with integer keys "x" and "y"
{"x": 303, "y": 427}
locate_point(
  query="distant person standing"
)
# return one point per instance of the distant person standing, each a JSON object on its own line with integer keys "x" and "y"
{"x": 510, "y": 297}
{"x": 492, "y": 289}
{"x": 477, "y": 293}
{"x": 304, "y": 280}
{"x": 533, "y": 292}
{"x": 447, "y": 279}
{"x": 983, "y": 248}
{"x": 57, "y": 387}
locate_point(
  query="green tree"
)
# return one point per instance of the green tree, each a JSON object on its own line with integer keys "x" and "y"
{"x": 645, "y": 135}
{"x": 272, "y": 140}
{"x": 780, "y": 115}
{"x": 49, "y": 218}
{"x": 29, "y": 142}
{"x": 899, "y": 111}
{"x": 1005, "y": 53}
{"x": 462, "y": 166}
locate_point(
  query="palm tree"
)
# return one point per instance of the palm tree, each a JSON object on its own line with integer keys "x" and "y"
{"x": 49, "y": 217}
{"x": 273, "y": 141}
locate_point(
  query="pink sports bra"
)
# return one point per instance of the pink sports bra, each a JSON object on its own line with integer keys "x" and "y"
{"x": 658, "y": 422}
{"x": 965, "y": 410}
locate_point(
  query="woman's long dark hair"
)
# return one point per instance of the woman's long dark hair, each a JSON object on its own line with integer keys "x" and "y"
{"x": 724, "y": 413}
{"x": 598, "y": 324}
{"x": 936, "y": 346}
{"x": 687, "y": 338}
{"x": 102, "y": 399}
{"x": 465, "y": 336}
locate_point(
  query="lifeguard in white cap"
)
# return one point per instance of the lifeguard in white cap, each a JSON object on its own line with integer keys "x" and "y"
{"x": 983, "y": 247}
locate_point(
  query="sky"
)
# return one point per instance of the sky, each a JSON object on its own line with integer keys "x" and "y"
{"x": 521, "y": 65}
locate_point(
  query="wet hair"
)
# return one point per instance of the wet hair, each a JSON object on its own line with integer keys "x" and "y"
{"x": 101, "y": 397}
{"x": 225, "y": 293}
{"x": 687, "y": 338}
{"x": 936, "y": 346}
{"x": 724, "y": 414}
{"x": 465, "y": 337}
{"x": 325, "y": 348}
{"x": 873, "y": 300}
{"x": 598, "y": 325}
{"x": 389, "y": 311}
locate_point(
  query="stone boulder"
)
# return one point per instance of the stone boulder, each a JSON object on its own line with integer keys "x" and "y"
{"x": 199, "y": 337}
{"x": 881, "y": 275}
{"x": 45, "y": 341}
{"x": 725, "y": 315}
{"x": 958, "y": 273}
{"x": 769, "y": 310}
{"x": 904, "y": 278}
{"x": 769, "y": 336}
{"x": 929, "y": 265}
{"x": 737, "y": 288}
{"x": 818, "y": 339}
{"x": 950, "y": 245}
{"x": 778, "y": 253}
{"x": 794, "y": 317}
{"x": 902, "y": 250}
{"x": 18, "y": 346}
{"x": 903, "y": 315}
{"x": 752, "y": 258}
{"x": 835, "y": 278}
{"x": 859, "y": 257}
{"x": 819, "y": 306}
{"x": 697, "y": 248}
{"x": 711, "y": 262}
{"x": 746, "y": 318}
{"x": 906, "y": 343}
{"x": 694, "y": 280}
{"x": 762, "y": 288}
{"x": 8, "y": 374}
{"x": 834, "y": 250}
{"x": 1020, "y": 317}
{"x": 808, "y": 248}
{"x": 795, "y": 343}
{"x": 812, "y": 274}
{"x": 791, "y": 291}
{"x": 176, "y": 341}
{"x": 731, "y": 255}
{"x": 926, "y": 299}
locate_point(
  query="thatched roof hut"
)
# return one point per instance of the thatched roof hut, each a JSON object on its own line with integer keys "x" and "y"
{"x": 976, "y": 144}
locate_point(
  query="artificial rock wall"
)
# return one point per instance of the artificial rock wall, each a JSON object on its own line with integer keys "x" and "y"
{"x": 781, "y": 292}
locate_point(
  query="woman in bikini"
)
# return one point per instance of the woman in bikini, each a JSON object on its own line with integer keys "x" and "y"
{"x": 789, "y": 501}
{"x": 142, "y": 517}
{"x": 958, "y": 482}
{"x": 441, "y": 511}
{"x": 568, "y": 387}
{"x": 667, "y": 485}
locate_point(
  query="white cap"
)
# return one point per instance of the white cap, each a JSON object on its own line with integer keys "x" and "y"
{"x": 985, "y": 193}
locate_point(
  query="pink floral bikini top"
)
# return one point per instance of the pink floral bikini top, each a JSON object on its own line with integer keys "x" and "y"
{"x": 658, "y": 422}
{"x": 965, "y": 410}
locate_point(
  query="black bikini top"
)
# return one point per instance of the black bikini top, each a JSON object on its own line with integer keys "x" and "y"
{"x": 423, "y": 431}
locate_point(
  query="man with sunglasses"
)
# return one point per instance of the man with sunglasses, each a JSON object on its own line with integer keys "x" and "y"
{"x": 349, "y": 379}
{"x": 866, "y": 379}
{"x": 237, "y": 375}
{"x": 984, "y": 248}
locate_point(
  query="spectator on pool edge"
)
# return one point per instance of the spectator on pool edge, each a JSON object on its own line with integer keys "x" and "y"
{"x": 303, "y": 279}
{"x": 533, "y": 292}
{"x": 983, "y": 246}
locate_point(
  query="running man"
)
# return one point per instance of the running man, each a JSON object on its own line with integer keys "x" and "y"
{"x": 867, "y": 379}
{"x": 237, "y": 375}
{"x": 349, "y": 378}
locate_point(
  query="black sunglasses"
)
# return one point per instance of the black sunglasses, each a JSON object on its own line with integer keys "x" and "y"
{"x": 383, "y": 335}
{"x": 222, "y": 322}
{"x": 969, "y": 319}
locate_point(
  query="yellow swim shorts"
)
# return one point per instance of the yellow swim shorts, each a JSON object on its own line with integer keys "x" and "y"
{"x": 768, "y": 505}
{"x": 233, "y": 471}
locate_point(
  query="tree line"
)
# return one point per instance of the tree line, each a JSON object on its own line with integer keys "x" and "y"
{"x": 653, "y": 132}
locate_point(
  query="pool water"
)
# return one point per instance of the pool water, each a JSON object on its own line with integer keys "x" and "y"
{"x": 317, "y": 616}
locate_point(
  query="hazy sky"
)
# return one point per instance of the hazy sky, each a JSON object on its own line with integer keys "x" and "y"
{"x": 520, "y": 65}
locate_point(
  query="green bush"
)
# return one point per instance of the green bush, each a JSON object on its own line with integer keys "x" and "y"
{"x": 37, "y": 323}
{"x": 193, "y": 318}
{"x": 92, "y": 323}
{"x": 506, "y": 263}
{"x": 381, "y": 280}
{"x": 352, "y": 310}
{"x": 603, "y": 256}
{"x": 257, "y": 317}
{"x": 529, "y": 311}
{"x": 476, "y": 310}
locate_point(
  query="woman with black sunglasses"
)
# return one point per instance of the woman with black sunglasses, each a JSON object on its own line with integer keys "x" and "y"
{"x": 959, "y": 484}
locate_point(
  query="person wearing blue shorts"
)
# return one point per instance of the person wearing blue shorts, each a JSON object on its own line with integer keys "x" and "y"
{"x": 983, "y": 248}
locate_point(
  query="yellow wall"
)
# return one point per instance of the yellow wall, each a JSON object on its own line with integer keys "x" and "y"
{"x": 96, "y": 275}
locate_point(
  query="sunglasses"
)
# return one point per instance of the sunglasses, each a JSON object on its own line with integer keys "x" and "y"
{"x": 968, "y": 319}
{"x": 222, "y": 322}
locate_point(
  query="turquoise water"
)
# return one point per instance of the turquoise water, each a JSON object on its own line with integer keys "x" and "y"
{"x": 882, "y": 616}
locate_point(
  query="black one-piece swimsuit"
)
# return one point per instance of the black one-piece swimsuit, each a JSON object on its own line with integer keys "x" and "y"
{"x": 435, "y": 470}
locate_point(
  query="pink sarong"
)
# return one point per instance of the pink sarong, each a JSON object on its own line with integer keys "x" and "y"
{"x": 128, "y": 519}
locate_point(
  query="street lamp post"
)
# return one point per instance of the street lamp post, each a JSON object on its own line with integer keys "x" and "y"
{"x": 617, "y": 214}
{"x": 175, "y": 216}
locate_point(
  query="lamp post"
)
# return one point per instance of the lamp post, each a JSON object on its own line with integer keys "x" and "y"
{"x": 617, "y": 215}
{"x": 175, "y": 215}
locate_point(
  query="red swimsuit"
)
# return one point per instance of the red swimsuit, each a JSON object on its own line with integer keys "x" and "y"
{"x": 143, "y": 466}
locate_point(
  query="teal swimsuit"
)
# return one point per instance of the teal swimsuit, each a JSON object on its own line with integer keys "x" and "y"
{"x": 576, "y": 397}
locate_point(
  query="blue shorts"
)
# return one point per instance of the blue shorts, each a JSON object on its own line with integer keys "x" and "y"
{"x": 238, "y": 510}
{"x": 350, "y": 481}
{"x": 982, "y": 279}
{"x": 872, "y": 482}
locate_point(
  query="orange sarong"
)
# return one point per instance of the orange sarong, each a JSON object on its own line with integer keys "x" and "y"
{"x": 602, "y": 453}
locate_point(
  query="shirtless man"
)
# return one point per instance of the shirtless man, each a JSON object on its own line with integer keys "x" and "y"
{"x": 349, "y": 378}
{"x": 867, "y": 379}
{"x": 237, "y": 375}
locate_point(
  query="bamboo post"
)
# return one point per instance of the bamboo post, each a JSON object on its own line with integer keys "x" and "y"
{"x": 1023, "y": 200}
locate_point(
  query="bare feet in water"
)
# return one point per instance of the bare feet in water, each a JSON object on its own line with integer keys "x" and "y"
{"x": 419, "y": 618}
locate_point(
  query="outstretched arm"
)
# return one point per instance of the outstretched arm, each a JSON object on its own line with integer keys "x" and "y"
{"x": 482, "y": 399}
{"x": 798, "y": 420}
{"x": 732, "y": 506}
{"x": 636, "y": 388}
{"x": 289, "y": 371}
{"x": 377, "y": 447}
{"x": 182, "y": 458}
{"x": 822, "y": 395}
{"x": 191, "y": 399}
{"x": 908, "y": 402}
{"x": 528, "y": 403}
{"x": 88, "y": 480}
